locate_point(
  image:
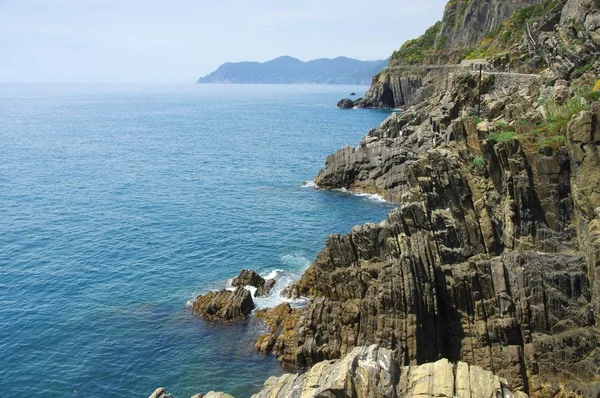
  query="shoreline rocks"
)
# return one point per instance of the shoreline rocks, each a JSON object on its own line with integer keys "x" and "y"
{"x": 251, "y": 278}
{"x": 345, "y": 103}
{"x": 372, "y": 372}
{"x": 224, "y": 306}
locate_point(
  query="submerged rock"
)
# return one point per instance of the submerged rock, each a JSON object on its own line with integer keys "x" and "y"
{"x": 224, "y": 306}
{"x": 251, "y": 278}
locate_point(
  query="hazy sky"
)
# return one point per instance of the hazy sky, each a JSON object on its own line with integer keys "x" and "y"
{"x": 181, "y": 40}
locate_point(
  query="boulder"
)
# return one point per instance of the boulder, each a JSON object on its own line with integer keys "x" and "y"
{"x": 160, "y": 393}
{"x": 345, "y": 103}
{"x": 224, "y": 306}
{"x": 251, "y": 278}
{"x": 372, "y": 372}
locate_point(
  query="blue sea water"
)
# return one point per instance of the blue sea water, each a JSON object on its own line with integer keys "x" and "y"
{"x": 119, "y": 203}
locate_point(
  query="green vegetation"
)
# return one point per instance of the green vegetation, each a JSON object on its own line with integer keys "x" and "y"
{"x": 477, "y": 119}
{"x": 510, "y": 31}
{"x": 555, "y": 142}
{"x": 559, "y": 116}
{"x": 479, "y": 163}
{"x": 592, "y": 96}
{"x": 414, "y": 51}
{"x": 577, "y": 72}
{"x": 501, "y": 137}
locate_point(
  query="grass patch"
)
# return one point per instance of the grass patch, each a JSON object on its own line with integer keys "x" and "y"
{"x": 479, "y": 163}
{"x": 501, "y": 137}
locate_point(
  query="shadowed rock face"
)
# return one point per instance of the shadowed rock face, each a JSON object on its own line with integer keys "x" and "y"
{"x": 224, "y": 306}
{"x": 495, "y": 265}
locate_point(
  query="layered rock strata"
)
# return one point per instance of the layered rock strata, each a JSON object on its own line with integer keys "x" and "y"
{"x": 251, "y": 278}
{"x": 224, "y": 306}
{"x": 372, "y": 372}
{"x": 493, "y": 262}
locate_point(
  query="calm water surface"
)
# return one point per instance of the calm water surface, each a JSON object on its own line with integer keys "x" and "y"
{"x": 119, "y": 203}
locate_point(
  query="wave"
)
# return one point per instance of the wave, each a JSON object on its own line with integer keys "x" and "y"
{"x": 293, "y": 266}
{"x": 309, "y": 184}
{"x": 371, "y": 196}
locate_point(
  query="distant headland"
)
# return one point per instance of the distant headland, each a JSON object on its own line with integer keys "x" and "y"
{"x": 289, "y": 70}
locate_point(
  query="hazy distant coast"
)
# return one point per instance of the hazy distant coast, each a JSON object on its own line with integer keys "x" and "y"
{"x": 289, "y": 70}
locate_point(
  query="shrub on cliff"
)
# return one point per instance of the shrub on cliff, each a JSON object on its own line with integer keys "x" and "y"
{"x": 414, "y": 51}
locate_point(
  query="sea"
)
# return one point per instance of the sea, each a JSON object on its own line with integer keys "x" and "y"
{"x": 121, "y": 203}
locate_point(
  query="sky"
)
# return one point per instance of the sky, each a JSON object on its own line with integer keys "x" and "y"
{"x": 177, "y": 41}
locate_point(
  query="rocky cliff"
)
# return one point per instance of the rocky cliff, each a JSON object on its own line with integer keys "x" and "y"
{"x": 519, "y": 36}
{"x": 492, "y": 257}
{"x": 485, "y": 281}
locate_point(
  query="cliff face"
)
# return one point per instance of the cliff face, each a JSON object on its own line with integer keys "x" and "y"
{"x": 467, "y": 22}
{"x": 493, "y": 255}
{"x": 517, "y": 35}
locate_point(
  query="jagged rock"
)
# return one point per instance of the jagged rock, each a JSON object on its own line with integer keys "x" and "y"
{"x": 371, "y": 372}
{"x": 345, "y": 103}
{"x": 498, "y": 269}
{"x": 561, "y": 92}
{"x": 281, "y": 337}
{"x": 251, "y": 278}
{"x": 160, "y": 393}
{"x": 224, "y": 306}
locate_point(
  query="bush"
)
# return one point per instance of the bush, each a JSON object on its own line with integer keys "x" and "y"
{"x": 554, "y": 142}
{"x": 414, "y": 51}
{"x": 501, "y": 137}
{"x": 479, "y": 163}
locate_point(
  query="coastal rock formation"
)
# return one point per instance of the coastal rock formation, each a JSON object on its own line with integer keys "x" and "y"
{"x": 371, "y": 372}
{"x": 224, "y": 306}
{"x": 160, "y": 393}
{"x": 345, "y": 103}
{"x": 251, "y": 278}
{"x": 492, "y": 256}
{"x": 510, "y": 36}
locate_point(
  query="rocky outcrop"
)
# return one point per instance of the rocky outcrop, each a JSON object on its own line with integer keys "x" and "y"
{"x": 345, "y": 103}
{"x": 467, "y": 22}
{"x": 224, "y": 306}
{"x": 251, "y": 278}
{"x": 518, "y": 36}
{"x": 492, "y": 262}
{"x": 160, "y": 393}
{"x": 371, "y": 372}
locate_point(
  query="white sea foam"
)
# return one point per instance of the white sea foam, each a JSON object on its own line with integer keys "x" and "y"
{"x": 309, "y": 184}
{"x": 273, "y": 274}
{"x": 296, "y": 263}
{"x": 293, "y": 266}
{"x": 371, "y": 196}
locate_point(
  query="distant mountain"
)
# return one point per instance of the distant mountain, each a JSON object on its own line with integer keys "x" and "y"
{"x": 289, "y": 70}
